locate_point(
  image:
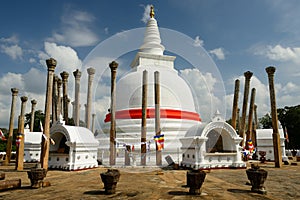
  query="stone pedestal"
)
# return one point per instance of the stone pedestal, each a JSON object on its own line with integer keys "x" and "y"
{"x": 195, "y": 179}
{"x": 36, "y": 176}
{"x": 110, "y": 180}
{"x": 257, "y": 177}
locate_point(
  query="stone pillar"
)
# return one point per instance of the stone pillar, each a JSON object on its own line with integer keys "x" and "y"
{"x": 276, "y": 137}
{"x": 33, "y": 104}
{"x": 248, "y": 76}
{"x": 112, "y": 159}
{"x": 20, "y": 148}
{"x": 77, "y": 75}
{"x": 157, "y": 115}
{"x": 93, "y": 123}
{"x": 73, "y": 110}
{"x": 51, "y": 64}
{"x": 59, "y": 103}
{"x": 14, "y": 92}
{"x": 91, "y": 73}
{"x": 250, "y": 116}
{"x": 255, "y": 126}
{"x": 64, "y": 76}
{"x": 54, "y": 99}
{"x": 235, "y": 103}
{"x": 238, "y": 119}
{"x": 144, "y": 117}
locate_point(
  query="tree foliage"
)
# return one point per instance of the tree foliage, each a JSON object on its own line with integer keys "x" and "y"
{"x": 266, "y": 121}
{"x": 289, "y": 118}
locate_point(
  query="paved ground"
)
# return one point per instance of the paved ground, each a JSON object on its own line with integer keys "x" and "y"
{"x": 156, "y": 183}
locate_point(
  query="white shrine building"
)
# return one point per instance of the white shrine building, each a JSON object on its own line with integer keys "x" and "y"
{"x": 72, "y": 147}
{"x": 211, "y": 146}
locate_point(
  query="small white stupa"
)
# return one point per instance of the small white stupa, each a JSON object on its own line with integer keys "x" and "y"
{"x": 72, "y": 147}
{"x": 213, "y": 145}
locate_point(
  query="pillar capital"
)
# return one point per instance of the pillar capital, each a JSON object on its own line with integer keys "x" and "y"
{"x": 24, "y": 98}
{"x": 33, "y": 102}
{"x": 270, "y": 70}
{"x": 113, "y": 65}
{"x": 248, "y": 75}
{"x": 14, "y": 91}
{"x": 64, "y": 75}
{"x": 55, "y": 78}
{"x": 77, "y": 74}
{"x": 59, "y": 82}
{"x": 91, "y": 71}
{"x": 51, "y": 64}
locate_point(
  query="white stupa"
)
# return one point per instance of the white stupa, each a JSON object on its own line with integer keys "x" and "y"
{"x": 177, "y": 107}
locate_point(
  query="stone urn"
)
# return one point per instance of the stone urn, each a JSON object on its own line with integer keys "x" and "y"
{"x": 257, "y": 178}
{"x": 262, "y": 158}
{"x": 36, "y": 176}
{"x": 195, "y": 179}
{"x": 110, "y": 180}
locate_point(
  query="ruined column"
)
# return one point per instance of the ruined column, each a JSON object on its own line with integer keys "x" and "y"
{"x": 54, "y": 99}
{"x": 276, "y": 137}
{"x": 157, "y": 114}
{"x": 20, "y": 148}
{"x": 91, "y": 73}
{"x": 144, "y": 117}
{"x": 77, "y": 75}
{"x": 64, "y": 76}
{"x": 248, "y": 76}
{"x": 33, "y": 104}
{"x": 51, "y": 64}
{"x": 59, "y": 103}
{"x": 93, "y": 123}
{"x": 73, "y": 110}
{"x": 112, "y": 158}
{"x": 255, "y": 126}
{"x": 235, "y": 103}
{"x": 14, "y": 92}
{"x": 250, "y": 116}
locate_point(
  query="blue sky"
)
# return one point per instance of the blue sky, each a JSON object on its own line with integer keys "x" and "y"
{"x": 238, "y": 35}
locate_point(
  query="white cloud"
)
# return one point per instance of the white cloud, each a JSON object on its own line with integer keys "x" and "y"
{"x": 13, "y": 51}
{"x": 280, "y": 53}
{"x": 219, "y": 53}
{"x": 198, "y": 42}
{"x": 146, "y": 14}
{"x": 31, "y": 84}
{"x": 13, "y": 39}
{"x": 10, "y": 80}
{"x": 76, "y": 30}
{"x": 66, "y": 57}
{"x": 203, "y": 86}
{"x": 32, "y": 60}
{"x": 106, "y": 30}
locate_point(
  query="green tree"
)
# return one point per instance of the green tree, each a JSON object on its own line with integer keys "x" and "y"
{"x": 266, "y": 121}
{"x": 38, "y": 116}
{"x": 289, "y": 118}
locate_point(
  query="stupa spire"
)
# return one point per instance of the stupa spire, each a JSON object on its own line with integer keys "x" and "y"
{"x": 152, "y": 14}
{"x": 152, "y": 41}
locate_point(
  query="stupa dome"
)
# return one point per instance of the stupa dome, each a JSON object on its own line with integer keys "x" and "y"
{"x": 176, "y": 99}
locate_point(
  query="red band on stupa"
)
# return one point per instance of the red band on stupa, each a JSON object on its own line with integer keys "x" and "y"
{"x": 164, "y": 113}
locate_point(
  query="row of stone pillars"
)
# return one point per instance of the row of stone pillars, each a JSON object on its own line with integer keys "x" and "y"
{"x": 60, "y": 104}
{"x": 251, "y": 131}
{"x": 53, "y": 99}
